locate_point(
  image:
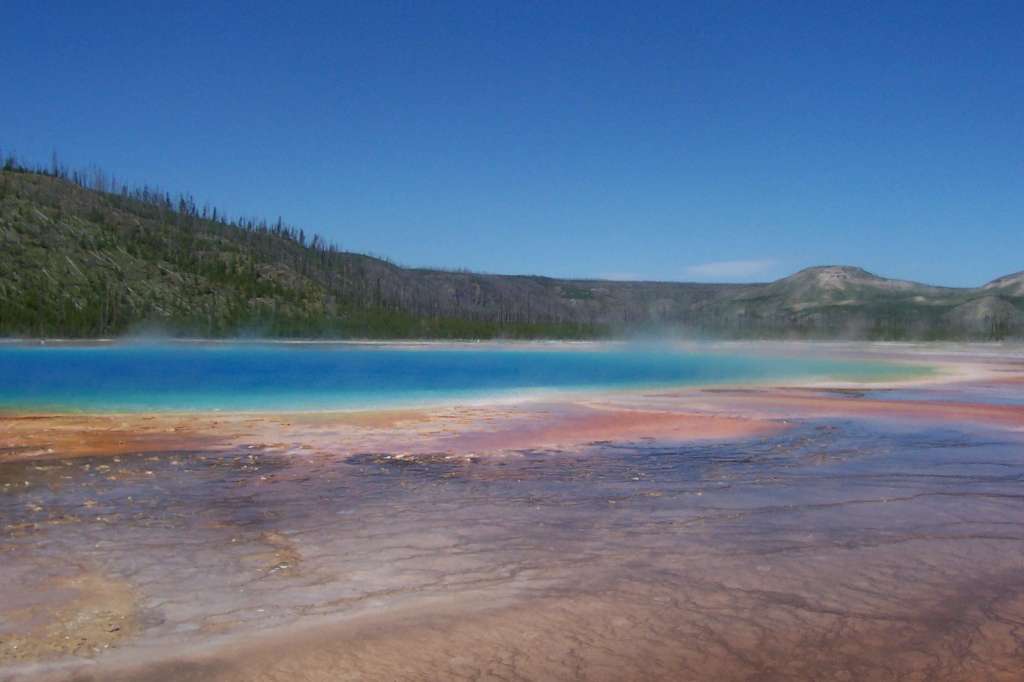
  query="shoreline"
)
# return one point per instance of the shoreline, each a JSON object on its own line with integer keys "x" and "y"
{"x": 932, "y": 372}
{"x": 556, "y": 515}
{"x": 728, "y": 409}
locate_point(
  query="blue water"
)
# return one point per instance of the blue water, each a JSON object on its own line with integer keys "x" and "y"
{"x": 319, "y": 377}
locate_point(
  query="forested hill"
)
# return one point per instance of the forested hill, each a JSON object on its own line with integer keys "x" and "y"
{"x": 78, "y": 259}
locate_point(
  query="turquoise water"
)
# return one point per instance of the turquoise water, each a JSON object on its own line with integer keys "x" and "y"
{"x": 278, "y": 377}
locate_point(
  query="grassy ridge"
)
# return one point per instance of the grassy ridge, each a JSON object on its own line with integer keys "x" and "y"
{"x": 81, "y": 257}
{"x": 84, "y": 263}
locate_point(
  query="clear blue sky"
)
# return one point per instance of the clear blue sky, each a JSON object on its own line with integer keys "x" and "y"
{"x": 726, "y": 140}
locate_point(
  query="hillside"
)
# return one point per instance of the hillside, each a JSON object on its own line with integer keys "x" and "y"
{"x": 78, "y": 262}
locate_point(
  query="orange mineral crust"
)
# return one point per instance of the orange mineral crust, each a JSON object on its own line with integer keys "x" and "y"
{"x": 825, "y": 531}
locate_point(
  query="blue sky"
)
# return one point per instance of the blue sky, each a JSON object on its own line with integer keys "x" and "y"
{"x": 683, "y": 141}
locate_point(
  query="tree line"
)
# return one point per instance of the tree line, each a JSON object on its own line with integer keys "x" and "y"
{"x": 125, "y": 256}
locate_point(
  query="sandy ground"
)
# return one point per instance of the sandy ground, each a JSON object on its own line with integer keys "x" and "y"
{"x": 833, "y": 531}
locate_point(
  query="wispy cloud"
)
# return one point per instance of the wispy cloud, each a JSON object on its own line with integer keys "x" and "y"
{"x": 731, "y": 268}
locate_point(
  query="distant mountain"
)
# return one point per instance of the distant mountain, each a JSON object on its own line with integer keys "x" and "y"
{"x": 1010, "y": 286}
{"x": 78, "y": 262}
